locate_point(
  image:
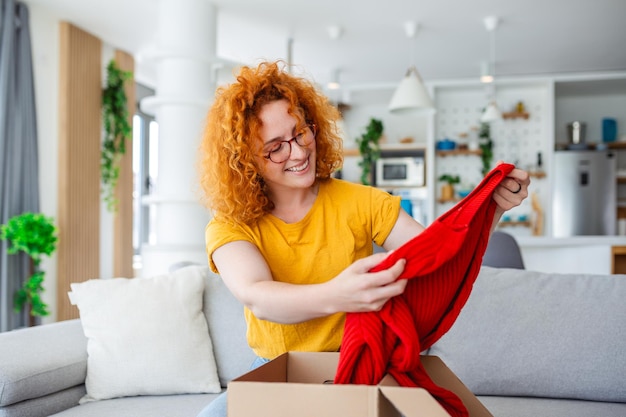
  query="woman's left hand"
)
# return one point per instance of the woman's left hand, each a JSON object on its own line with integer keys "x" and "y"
{"x": 512, "y": 190}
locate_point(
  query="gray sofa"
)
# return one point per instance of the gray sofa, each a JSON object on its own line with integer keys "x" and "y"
{"x": 527, "y": 343}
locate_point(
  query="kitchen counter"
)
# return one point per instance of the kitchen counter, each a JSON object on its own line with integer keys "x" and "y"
{"x": 578, "y": 254}
{"x": 542, "y": 241}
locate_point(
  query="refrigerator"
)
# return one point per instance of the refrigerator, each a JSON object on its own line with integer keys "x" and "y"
{"x": 585, "y": 193}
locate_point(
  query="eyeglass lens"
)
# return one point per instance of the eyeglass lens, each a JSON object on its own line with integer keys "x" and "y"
{"x": 303, "y": 137}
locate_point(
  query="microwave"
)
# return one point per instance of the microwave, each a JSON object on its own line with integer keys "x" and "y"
{"x": 402, "y": 171}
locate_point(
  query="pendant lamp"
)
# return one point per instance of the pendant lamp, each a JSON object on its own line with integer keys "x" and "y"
{"x": 411, "y": 94}
{"x": 491, "y": 112}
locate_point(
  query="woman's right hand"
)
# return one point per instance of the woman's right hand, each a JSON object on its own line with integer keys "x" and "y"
{"x": 353, "y": 290}
{"x": 356, "y": 289}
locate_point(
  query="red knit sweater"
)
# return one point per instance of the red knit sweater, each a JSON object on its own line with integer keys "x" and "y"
{"x": 442, "y": 264}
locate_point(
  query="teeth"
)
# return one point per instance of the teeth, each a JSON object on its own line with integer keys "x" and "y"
{"x": 300, "y": 168}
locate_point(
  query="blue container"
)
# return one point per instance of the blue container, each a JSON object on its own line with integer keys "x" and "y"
{"x": 445, "y": 145}
{"x": 407, "y": 205}
{"x": 609, "y": 130}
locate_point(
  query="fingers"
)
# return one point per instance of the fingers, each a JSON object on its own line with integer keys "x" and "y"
{"x": 520, "y": 176}
{"x": 512, "y": 185}
{"x": 384, "y": 277}
{"x": 374, "y": 289}
{"x": 367, "y": 263}
{"x": 512, "y": 190}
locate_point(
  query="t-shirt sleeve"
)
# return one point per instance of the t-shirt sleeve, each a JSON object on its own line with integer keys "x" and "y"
{"x": 218, "y": 233}
{"x": 385, "y": 212}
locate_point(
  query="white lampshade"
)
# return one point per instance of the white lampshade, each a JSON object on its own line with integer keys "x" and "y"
{"x": 411, "y": 95}
{"x": 491, "y": 113}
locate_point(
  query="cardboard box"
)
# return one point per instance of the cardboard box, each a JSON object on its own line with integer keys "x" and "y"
{"x": 300, "y": 384}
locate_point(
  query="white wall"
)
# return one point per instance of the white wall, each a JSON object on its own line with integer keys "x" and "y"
{"x": 45, "y": 50}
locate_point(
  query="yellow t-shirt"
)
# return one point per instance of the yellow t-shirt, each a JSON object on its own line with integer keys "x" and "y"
{"x": 339, "y": 229}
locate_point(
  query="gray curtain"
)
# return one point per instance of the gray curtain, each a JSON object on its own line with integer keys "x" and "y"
{"x": 19, "y": 184}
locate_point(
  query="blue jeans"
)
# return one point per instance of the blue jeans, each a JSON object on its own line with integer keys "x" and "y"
{"x": 218, "y": 407}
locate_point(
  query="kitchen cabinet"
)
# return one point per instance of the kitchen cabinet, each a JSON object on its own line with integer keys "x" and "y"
{"x": 618, "y": 260}
{"x": 600, "y": 255}
{"x": 589, "y": 100}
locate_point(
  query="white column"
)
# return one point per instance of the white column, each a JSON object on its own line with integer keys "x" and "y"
{"x": 183, "y": 57}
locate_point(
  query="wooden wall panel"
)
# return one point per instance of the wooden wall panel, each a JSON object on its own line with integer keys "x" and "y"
{"x": 80, "y": 89}
{"x": 123, "y": 222}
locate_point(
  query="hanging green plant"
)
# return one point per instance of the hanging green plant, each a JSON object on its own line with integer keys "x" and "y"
{"x": 117, "y": 131}
{"x": 486, "y": 146}
{"x": 369, "y": 148}
{"x": 35, "y": 235}
{"x": 450, "y": 179}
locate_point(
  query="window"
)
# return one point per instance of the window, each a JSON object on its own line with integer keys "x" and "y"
{"x": 145, "y": 174}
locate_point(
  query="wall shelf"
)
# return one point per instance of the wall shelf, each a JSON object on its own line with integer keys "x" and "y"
{"x": 616, "y": 145}
{"x": 516, "y": 115}
{"x": 448, "y": 200}
{"x": 456, "y": 152}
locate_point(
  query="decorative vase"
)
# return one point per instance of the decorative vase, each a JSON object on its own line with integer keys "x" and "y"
{"x": 447, "y": 192}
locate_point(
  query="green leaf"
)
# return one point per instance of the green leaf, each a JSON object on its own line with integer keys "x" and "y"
{"x": 486, "y": 146}
{"x": 117, "y": 130}
{"x": 35, "y": 235}
{"x": 369, "y": 147}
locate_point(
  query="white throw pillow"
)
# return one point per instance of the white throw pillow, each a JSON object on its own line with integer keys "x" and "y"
{"x": 146, "y": 336}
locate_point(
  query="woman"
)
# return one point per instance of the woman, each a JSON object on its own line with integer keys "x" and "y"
{"x": 291, "y": 243}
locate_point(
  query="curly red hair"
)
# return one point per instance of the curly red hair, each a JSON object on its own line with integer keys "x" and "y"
{"x": 229, "y": 175}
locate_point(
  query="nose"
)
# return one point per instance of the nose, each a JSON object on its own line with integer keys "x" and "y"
{"x": 297, "y": 151}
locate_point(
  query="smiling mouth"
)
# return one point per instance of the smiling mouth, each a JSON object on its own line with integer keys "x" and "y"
{"x": 299, "y": 168}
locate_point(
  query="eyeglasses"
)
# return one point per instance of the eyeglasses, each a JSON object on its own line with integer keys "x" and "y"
{"x": 280, "y": 151}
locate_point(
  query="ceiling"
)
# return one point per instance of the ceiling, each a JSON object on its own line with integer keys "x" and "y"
{"x": 534, "y": 37}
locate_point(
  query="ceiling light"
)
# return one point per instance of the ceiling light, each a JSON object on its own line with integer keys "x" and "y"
{"x": 411, "y": 94}
{"x": 491, "y": 113}
{"x": 486, "y": 74}
{"x": 334, "y": 83}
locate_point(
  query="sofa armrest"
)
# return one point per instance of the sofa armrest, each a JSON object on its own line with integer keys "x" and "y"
{"x": 41, "y": 360}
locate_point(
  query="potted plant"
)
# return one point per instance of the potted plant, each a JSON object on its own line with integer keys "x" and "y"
{"x": 35, "y": 235}
{"x": 117, "y": 130}
{"x": 447, "y": 189}
{"x": 369, "y": 148}
{"x": 486, "y": 146}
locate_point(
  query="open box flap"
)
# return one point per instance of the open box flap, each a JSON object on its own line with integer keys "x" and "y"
{"x": 413, "y": 402}
{"x": 445, "y": 378}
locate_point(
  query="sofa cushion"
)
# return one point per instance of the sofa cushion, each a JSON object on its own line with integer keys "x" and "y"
{"x": 550, "y": 407}
{"x": 227, "y": 326}
{"x": 153, "y": 406}
{"x": 146, "y": 336}
{"x": 525, "y": 333}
